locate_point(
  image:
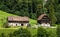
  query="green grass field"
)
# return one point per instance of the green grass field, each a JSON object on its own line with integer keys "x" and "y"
{"x": 33, "y": 22}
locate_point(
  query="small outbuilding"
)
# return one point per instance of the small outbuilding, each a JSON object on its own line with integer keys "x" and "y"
{"x": 18, "y": 21}
{"x": 44, "y": 20}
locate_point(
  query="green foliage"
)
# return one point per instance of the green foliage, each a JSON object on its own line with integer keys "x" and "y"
{"x": 41, "y": 32}
{"x": 58, "y": 31}
{"x": 58, "y": 14}
{"x": 21, "y": 7}
{"x": 33, "y": 16}
{"x": 22, "y": 33}
{"x": 52, "y": 15}
{"x": 51, "y": 32}
{"x": 31, "y": 8}
{"x": 5, "y": 25}
{"x": 2, "y": 35}
{"x": 8, "y": 32}
{"x": 52, "y": 18}
{"x": 46, "y": 32}
{"x": 54, "y": 10}
{"x": 10, "y": 35}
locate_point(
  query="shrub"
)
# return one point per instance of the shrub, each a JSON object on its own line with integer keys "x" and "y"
{"x": 58, "y": 31}
{"x": 51, "y": 32}
{"x": 10, "y": 35}
{"x": 3, "y": 35}
{"x": 41, "y": 32}
{"x": 22, "y": 33}
{"x": 5, "y": 25}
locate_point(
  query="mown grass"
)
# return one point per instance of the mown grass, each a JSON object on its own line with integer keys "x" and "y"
{"x": 33, "y": 22}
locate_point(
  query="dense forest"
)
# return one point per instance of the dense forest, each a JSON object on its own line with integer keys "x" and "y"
{"x": 32, "y": 8}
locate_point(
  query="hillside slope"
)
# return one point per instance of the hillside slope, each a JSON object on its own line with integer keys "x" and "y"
{"x": 3, "y": 17}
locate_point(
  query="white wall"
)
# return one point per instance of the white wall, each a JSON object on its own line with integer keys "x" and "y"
{"x": 43, "y": 24}
{"x": 18, "y": 24}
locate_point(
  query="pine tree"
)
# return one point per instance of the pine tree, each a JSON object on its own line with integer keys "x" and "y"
{"x": 52, "y": 15}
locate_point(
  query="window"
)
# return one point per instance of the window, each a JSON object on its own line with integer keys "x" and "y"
{"x": 21, "y": 24}
{"x": 16, "y": 24}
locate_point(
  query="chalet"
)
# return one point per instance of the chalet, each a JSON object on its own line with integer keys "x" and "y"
{"x": 18, "y": 21}
{"x": 44, "y": 20}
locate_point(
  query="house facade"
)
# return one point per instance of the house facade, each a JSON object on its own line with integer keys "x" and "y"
{"x": 44, "y": 20}
{"x": 18, "y": 21}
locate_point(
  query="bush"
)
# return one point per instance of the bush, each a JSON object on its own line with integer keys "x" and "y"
{"x": 22, "y": 33}
{"x": 3, "y": 35}
{"x": 6, "y": 25}
{"x": 10, "y": 35}
{"x": 58, "y": 31}
{"x": 51, "y": 32}
{"x": 41, "y": 32}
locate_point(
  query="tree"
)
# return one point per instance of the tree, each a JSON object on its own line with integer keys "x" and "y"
{"x": 51, "y": 6}
{"x": 22, "y": 33}
{"x": 25, "y": 7}
{"x": 39, "y": 7}
{"x": 33, "y": 15}
{"x": 58, "y": 14}
{"x": 52, "y": 15}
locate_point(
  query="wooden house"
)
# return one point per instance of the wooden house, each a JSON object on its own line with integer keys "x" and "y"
{"x": 18, "y": 21}
{"x": 44, "y": 20}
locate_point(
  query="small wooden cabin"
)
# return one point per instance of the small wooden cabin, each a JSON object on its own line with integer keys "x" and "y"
{"x": 44, "y": 20}
{"x": 18, "y": 21}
